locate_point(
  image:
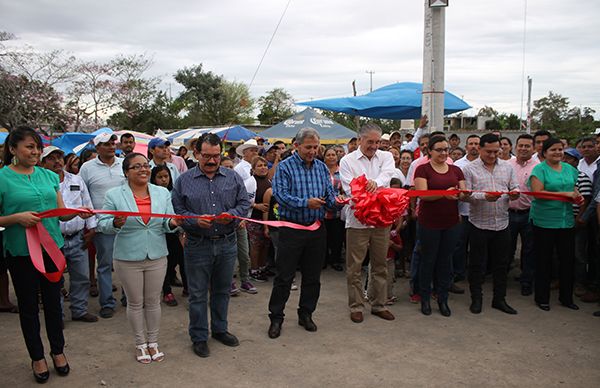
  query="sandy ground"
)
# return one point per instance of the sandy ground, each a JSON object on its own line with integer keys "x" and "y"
{"x": 533, "y": 348}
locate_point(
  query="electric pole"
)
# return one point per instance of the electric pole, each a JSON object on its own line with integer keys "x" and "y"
{"x": 370, "y": 73}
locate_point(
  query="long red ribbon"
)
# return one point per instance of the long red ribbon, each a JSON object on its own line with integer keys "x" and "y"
{"x": 38, "y": 236}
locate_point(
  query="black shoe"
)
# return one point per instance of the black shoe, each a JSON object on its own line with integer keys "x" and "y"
{"x": 40, "y": 378}
{"x": 596, "y": 313}
{"x": 337, "y": 267}
{"x": 476, "y": 306}
{"x": 275, "y": 329}
{"x": 307, "y": 322}
{"x": 425, "y": 307}
{"x": 61, "y": 370}
{"x": 571, "y": 305}
{"x": 226, "y": 338}
{"x": 107, "y": 312}
{"x": 444, "y": 309}
{"x": 87, "y": 317}
{"x": 201, "y": 349}
{"x": 455, "y": 289}
{"x": 503, "y": 306}
{"x": 543, "y": 306}
{"x": 526, "y": 290}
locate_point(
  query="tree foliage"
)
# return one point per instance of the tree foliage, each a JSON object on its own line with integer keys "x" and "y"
{"x": 275, "y": 106}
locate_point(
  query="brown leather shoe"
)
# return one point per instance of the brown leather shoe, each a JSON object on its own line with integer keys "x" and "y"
{"x": 356, "y": 317}
{"x": 384, "y": 314}
{"x": 590, "y": 297}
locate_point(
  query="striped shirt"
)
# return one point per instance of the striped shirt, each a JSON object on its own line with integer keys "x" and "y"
{"x": 295, "y": 183}
{"x": 196, "y": 194}
{"x": 483, "y": 214}
{"x": 584, "y": 186}
{"x": 75, "y": 194}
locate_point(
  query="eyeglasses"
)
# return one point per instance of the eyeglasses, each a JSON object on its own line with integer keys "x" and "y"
{"x": 209, "y": 157}
{"x": 440, "y": 150}
{"x": 137, "y": 167}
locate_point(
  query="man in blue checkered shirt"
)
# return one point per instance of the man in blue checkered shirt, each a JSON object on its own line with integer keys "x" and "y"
{"x": 303, "y": 190}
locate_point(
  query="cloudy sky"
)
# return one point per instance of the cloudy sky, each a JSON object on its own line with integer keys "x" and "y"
{"x": 321, "y": 46}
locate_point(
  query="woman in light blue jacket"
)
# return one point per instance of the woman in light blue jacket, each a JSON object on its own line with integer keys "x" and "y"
{"x": 140, "y": 250}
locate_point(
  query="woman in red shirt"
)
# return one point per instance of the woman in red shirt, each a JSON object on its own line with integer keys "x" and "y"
{"x": 438, "y": 221}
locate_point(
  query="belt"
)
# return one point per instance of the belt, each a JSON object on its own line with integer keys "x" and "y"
{"x": 215, "y": 237}
{"x": 519, "y": 211}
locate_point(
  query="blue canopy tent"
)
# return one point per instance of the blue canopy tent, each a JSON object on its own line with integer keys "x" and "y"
{"x": 330, "y": 131}
{"x": 235, "y": 134}
{"x": 396, "y": 102}
{"x": 3, "y": 136}
{"x": 70, "y": 140}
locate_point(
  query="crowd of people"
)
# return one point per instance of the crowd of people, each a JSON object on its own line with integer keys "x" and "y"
{"x": 468, "y": 230}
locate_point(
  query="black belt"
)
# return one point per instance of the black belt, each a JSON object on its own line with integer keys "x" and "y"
{"x": 215, "y": 237}
{"x": 519, "y": 211}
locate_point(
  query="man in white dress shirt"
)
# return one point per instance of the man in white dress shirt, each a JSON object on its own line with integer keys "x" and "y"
{"x": 378, "y": 167}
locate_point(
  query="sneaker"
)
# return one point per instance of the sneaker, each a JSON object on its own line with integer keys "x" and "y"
{"x": 234, "y": 291}
{"x": 294, "y": 286}
{"x": 258, "y": 276}
{"x": 268, "y": 272}
{"x": 170, "y": 300}
{"x": 391, "y": 300}
{"x": 415, "y": 298}
{"x": 248, "y": 287}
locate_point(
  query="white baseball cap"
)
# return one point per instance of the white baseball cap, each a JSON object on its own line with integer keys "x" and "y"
{"x": 104, "y": 138}
{"x": 50, "y": 149}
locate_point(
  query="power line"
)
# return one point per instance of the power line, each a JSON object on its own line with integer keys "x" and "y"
{"x": 269, "y": 44}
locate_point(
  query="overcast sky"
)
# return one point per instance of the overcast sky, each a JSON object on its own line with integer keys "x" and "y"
{"x": 321, "y": 46}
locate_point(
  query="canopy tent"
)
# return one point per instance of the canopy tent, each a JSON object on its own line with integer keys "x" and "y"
{"x": 234, "y": 134}
{"x": 3, "y": 136}
{"x": 396, "y": 102}
{"x": 330, "y": 131}
{"x": 45, "y": 138}
{"x": 70, "y": 140}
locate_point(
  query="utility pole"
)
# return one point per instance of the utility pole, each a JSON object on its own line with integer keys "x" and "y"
{"x": 433, "y": 63}
{"x": 370, "y": 73}
{"x": 356, "y": 118}
{"x": 529, "y": 84}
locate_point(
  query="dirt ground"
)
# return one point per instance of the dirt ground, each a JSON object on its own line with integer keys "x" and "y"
{"x": 533, "y": 348}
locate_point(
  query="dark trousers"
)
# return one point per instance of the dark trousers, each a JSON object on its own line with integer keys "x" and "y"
{"x": 335, "y": 238}
{"x": 298, "y": 248}
{"x": 460, "y": 254}
{"x": 545, "y": 240}
{"x": 437, "y": 247}
{"x": 27, "y": 281}
{"x": 174, "y": 258}
{"x": 492, "y": 245}
{"x": 519, "y": 225}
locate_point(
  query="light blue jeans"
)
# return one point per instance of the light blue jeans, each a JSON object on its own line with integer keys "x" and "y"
{"x": 209, "y": 266}
{"x": 79, "y": 273}
{"x": 104, "y": 259}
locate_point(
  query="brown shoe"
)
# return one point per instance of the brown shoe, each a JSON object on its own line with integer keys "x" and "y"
{"x": 590, "y": 297}
{"x": 356, "y": 317}
{"x": 384, "y": 314}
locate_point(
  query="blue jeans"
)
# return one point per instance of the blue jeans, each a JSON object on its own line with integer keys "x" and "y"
{"x": 209, "y": 266}
{"x": 104, "y": 259}
{"x": 519, "y": 224}
{"x": 437, "y": 247}
{"x": 459, "y": 258}
{"x": 79, "y": 273}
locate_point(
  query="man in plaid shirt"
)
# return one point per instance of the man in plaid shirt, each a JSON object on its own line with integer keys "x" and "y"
{"x": 490, "y": 236}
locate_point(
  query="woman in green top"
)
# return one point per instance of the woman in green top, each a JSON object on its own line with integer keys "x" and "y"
{"x": 553, "y": 225}
{"x": 26, "y": 189}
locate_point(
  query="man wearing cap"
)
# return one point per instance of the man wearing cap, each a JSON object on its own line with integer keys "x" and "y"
{"x": 248, "y": 151}
{"x": 75, "y": 195}
{"x": 384, "y": 143}
{"x": 159, "y": 148}
{"x": 100, "y": 175}
{"x": 395, "y": 139}
{"x": 518, "y": 213}
{"x": 582, "y": 228}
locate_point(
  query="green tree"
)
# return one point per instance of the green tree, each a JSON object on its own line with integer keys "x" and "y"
{"x": 550, "y": 111}
{"x": 275, "y": 106}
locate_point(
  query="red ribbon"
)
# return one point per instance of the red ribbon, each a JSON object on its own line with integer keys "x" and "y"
{"x": 385, "y": 205}
{"x": 38, "y": 236}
